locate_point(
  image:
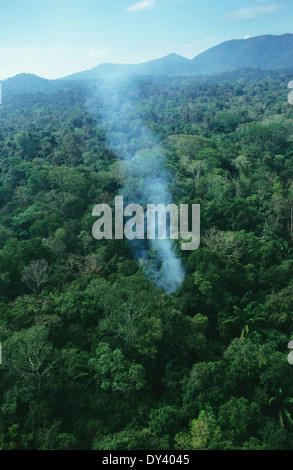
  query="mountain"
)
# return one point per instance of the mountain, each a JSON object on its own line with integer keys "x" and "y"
{"x": 103, "y": 71}
{"x": 172, "y": 64}
{"x": 261, "y": 52}
{"x": 30, "y": 83}
{"x": 25, "y": 82}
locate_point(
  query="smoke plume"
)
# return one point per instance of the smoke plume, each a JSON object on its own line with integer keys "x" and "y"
{"x": 143, "y": 171}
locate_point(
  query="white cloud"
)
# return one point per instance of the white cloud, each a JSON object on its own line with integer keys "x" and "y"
{"x": 247, "y": 36}
{"x": 144, "y": 5}
{"x": 252, "y": 12}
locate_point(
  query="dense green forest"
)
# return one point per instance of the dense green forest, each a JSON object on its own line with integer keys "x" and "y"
{"x": 95, "y": 356}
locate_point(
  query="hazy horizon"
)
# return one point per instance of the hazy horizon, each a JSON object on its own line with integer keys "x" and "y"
{"x": 61, "y": 38}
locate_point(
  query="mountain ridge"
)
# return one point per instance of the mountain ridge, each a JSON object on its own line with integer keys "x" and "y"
{"x": 266, "y": 52}
{"x": 262, "y": 52}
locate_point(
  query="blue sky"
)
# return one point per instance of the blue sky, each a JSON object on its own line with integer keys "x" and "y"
{"x": 54, "y": 38}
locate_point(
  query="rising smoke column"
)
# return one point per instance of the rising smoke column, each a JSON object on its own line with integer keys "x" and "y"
{"x": 144, "y": 172}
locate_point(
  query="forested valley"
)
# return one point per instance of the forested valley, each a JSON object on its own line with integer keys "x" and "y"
{"x": 94, "y": 355}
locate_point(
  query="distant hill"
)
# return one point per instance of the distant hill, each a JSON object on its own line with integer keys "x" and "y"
{"x": 30, "y": 83}
{"x": 261, "y": 52}
{"x": 25, "y": 82}
{"x": 172, "y": 64}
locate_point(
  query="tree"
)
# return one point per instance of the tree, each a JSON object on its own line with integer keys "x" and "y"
{"x": 35, "y": 275}
{"x": 30, "y": 360}
{"x": 204, "y": 434}
{"x": 240, "y": 418}
{"x": 113, "y": 372}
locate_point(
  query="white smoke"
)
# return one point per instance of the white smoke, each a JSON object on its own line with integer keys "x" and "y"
{"x": 146, "y": 179}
